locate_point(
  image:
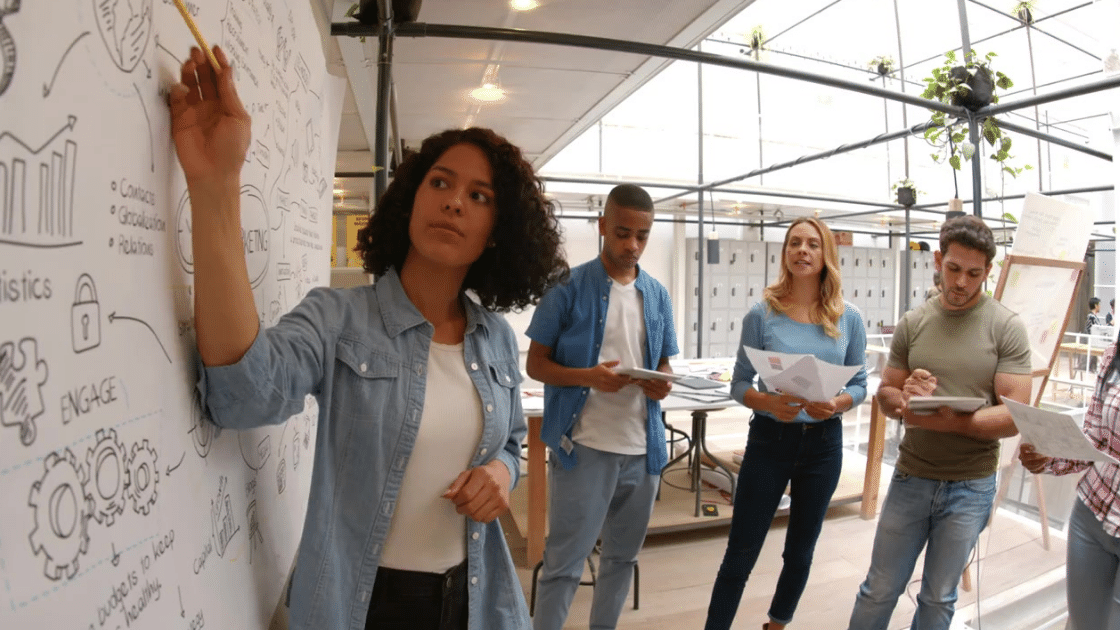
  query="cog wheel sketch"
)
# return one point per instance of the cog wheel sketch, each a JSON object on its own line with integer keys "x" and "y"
{"x": 62, "y": 510}
{"x": 143, "y": 475}
{"x": 105, "y": 463}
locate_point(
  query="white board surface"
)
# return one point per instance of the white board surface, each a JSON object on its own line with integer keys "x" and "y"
{"x": 122, "y": 507}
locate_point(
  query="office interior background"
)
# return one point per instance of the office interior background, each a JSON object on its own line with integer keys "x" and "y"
{"x": 741, "y": 115}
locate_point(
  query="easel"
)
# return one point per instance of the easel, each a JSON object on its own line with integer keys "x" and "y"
{"x": 1058, "y": 280}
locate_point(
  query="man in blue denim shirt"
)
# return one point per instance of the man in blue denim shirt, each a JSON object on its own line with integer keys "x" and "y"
{"x": 604, "y": 429}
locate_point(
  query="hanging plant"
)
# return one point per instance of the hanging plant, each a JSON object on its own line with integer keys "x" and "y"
{"x": 757, "y": 38}
{"x": 1024, "y": 11}
{"x": 970, "y": 85}
{"x": 906, "y": 193}
{"x": 881, "y": 65}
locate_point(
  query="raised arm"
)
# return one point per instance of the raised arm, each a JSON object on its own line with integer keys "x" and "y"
{"x": 211, "y": 130}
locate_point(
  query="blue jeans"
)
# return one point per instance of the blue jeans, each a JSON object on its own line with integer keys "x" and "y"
{"x": 808, "y": 458}
{"x": 605, "y": 495}
{"x": 945, "y": 516}
{"x": 1092, "y": 565}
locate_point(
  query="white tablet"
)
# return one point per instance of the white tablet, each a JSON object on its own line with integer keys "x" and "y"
{"x": 963, "y": 404}
{"x": 643, "y": 374}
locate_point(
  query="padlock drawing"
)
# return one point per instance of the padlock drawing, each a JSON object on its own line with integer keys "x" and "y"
{"x": 85, "y": 315}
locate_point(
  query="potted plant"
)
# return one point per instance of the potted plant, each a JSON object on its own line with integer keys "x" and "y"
{"x": 1024, "y": 11}
{"x": 970, "y": 85}
{"x": 881, "y": 65}
{"x": 757, "y": 38}
{"x": 905, "y": 192}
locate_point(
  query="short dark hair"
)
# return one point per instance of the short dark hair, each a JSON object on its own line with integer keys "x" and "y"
{"x": 1112, "y": 302}
{"x": 968, "y": 231}
{"x": 1093, "y": 302}
{"x": 630, "y": 196}
{"x": 526, "y": 259}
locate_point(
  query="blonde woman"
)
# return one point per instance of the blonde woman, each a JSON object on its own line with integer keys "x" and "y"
{"x": 791, "y": 441}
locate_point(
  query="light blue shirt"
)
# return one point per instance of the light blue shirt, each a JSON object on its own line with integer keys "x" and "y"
{"x": 765, "y": 329}
{"x": 570, "y": 320}
{"x": 363, "y": 354}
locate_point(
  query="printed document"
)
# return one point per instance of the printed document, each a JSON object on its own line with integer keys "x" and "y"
{"x": 1054, "y": 434}
{"x": 801, "y": 375}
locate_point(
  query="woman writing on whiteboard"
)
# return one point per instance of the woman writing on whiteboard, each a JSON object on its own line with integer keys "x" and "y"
{"x": 791, "y": 441}
{"x": 1093, "y": 546}
{"x": 420, "y": 423}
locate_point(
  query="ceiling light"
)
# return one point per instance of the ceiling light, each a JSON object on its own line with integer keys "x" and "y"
{"x": 488, "y": 93}
{"x": 523, "y": 5}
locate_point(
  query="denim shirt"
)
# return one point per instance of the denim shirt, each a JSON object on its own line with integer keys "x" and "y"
{"x": 570, "y": 320}
{"x": 363, "y": 354}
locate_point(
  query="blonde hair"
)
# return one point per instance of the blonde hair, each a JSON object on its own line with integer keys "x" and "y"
{"x": 831, "y": 306}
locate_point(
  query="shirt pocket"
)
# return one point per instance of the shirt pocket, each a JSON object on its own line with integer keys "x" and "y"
{"x": 367, "y": 381}
{"x": 504, "y": 378}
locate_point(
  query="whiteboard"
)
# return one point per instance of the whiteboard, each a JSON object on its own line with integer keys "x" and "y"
{"x": 122, "y": 506}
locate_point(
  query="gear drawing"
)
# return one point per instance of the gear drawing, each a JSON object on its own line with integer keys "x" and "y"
{"x": 143, "y": 475}
{"x": 62, "y": 510}
{"x": 105, "y": 464}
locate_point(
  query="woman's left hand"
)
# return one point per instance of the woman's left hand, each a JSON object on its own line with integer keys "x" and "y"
{"x": 822, "y": 410}
{"x": 481, "y": 493}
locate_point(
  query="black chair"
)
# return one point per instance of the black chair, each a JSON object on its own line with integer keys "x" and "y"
{"x": 594, "y": 578}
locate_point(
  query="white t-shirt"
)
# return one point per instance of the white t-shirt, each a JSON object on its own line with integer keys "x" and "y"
{"x": 426, "y": 533}
{"x": 616, "y": 423}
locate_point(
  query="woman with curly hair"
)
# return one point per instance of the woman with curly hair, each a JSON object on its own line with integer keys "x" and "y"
{"x": 420, "y": 422}
{"x": 792, "y": 442}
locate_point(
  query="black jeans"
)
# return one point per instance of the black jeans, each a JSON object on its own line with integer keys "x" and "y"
{"x": 414, "y": 600}
{"x": 807, "y": 457}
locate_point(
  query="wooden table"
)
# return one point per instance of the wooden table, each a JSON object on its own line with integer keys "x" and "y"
{"x": 1080, "y": 349}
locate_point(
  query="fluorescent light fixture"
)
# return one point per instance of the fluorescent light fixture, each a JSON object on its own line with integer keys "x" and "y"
{"x": 523, "y": 5}
{"x": 488, "y": 93}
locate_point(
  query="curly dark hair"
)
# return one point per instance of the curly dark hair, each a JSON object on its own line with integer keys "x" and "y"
{"x": 970, "y": 232}
{"x": 526, "y": 259}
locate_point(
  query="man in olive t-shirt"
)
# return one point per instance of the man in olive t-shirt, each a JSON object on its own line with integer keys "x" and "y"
{"x": 960, "y": 343}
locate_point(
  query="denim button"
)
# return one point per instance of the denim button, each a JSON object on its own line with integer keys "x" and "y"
{"x": 362, "y": 367}
{"x": 474, "y": 580}
{"x": 489, "y": 407}
{"x": 474, "y": 366}
{"x": 482, "y": 451}
{"x": 474, "y": 536}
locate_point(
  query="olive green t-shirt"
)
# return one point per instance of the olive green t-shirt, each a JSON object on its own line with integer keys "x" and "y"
{"x": 964, "y": 350}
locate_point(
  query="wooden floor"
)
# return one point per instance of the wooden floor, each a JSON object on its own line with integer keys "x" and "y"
{"x": 679, "y": 562}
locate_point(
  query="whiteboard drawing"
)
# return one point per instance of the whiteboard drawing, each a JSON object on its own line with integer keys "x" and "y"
{"x": 108, "y": 473}
{"x": 125, "y": 26}
{"x": 85, "y": 316}
{"x": 143, "y": 476}
{"x": 37, "y": 190}
{"x": 62, "y": 510}
{"x": 22, "y": 376}
{"x": 7, "y": 46}
{"x": 47, "y": 87}
{"x": 203, "y": 432}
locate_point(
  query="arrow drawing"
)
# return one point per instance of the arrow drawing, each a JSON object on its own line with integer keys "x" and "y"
{"x": 151, "y": 150}
{"x": 113, "y": 316}
{"x": 169, "y": 468}
{"x": 47, "y": 87}
{"x": 69, "y": 126}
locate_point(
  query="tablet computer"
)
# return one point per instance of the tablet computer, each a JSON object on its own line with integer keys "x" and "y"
{"x": 643, "y": 374}
{"x": 931, "y": 404}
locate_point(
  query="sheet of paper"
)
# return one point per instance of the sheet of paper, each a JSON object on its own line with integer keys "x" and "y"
{"x": 644, "y": 374}
{"x": 1051, "y": 228}
{"x": 1054, "y": 434}
{"x": 801, "y": 375}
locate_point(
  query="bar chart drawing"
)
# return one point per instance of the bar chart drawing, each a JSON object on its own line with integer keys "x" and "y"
{"x": 37, "y": 190}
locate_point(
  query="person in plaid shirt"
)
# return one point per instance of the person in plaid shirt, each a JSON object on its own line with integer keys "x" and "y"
{"x": 1093, "y": 549}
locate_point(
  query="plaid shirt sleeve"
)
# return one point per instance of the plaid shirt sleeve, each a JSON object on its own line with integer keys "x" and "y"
{"x": 1100, "y": 487}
